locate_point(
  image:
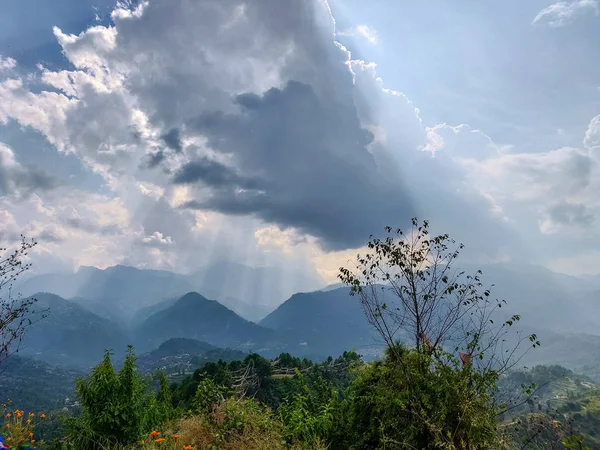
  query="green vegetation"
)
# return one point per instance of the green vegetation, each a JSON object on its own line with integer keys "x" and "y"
{"x": 442, "y": 383}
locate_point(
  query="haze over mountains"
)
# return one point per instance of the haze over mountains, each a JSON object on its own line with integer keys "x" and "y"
{"x": 119, "y": 292}
{"x": 121, "y": 305}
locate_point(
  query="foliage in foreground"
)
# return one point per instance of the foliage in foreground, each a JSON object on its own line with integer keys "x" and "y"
{"x": 118, "y": 407}
{"x": 439, "y": 394}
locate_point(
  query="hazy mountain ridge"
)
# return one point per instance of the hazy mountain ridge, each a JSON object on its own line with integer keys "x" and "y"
{"x": 70, "y": 335}
{"x": 328, "y": 322}
{"x": 318, "y": 323}
{"x": 194, "y": 316}
{"x": 120, "y": 292}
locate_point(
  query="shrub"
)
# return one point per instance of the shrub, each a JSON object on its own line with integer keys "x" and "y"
{"x": 117, "y": 406}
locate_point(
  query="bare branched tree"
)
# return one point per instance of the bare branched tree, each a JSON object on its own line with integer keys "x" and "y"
{"x": 411, "y": 292}
{"x": 16, "y": 313}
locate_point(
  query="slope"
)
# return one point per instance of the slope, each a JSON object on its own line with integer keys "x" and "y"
{"x": 196, "y": 317}
{"x": 70, "y": 335}
{"x": 323, "y": 323}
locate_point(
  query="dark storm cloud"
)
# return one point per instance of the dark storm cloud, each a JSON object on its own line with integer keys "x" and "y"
{"x": 173, "y": 139}
{"x": 154, "y": 159}
{"x": 214, "y": 174}
{"x": 316, "y": 172}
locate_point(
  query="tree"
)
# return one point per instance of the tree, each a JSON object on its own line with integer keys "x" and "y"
{"x": 445, "y": 353}
{"x": 411, "y": 292}
{"x": 16, "y": 314}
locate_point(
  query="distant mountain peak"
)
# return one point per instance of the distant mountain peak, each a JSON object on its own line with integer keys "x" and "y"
{"x": 192, "y": 298}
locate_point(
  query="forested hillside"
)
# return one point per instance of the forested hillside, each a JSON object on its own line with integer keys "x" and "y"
{"x": 449, "y": 377}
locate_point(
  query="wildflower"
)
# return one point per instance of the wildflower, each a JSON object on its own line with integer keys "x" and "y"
{"x": 8, "y": 439}
{"x": 42, "y": 416}
{"x": 31, "y": 415}
{"x": 28, "y": 421}
{"x": 8, "y": 425}
{"x": 30, "y": 434}
{"x": 188, "y": 447}
{"x": 8, "y": 415}
{"x": 154, "y": 433}
{"x": 159, "y": 440}
{"x": 175, "y": 436}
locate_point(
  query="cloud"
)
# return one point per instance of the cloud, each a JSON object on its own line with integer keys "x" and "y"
{"x": 461, "y": 142}
{"x": 553, "y": 191}
{"x": 565, "y": 214}
{"x": 7, "y": 64}
{"x": 563, "y": 13}
{"x": 315, "y": 171}
{"x": 592, "y": 134}
{"x": 157, "y": 239}
{"x": 363, "y": 31}
{"x": 21, "y": 181}
{"x": 213, "y": 174}
{"x": 259, "y": 128}
{"x": 173, "y": 139}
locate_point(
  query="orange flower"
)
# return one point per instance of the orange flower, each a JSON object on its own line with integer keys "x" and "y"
{"x": 188, "y": 447}
{"x": 8, "y": 425}
{"x": 159, "y": 440}
{"x": 154, "y": 433}
{"x": 42, "y": 416}
{"x": 175, "y": 436}
{"x": 31, "y": 415}
{"x": 28, "y": 421}
{"x": 7, "y": 415}
{"x": 30, "y": 434}
{"x": 9, "y": 439}
{"x": 33, "y": 441}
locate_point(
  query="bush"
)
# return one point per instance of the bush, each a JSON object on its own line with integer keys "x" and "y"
{"x": 308, "y": 416}
{"x": 117, "y": 406}
{"x": 429, "y": 404}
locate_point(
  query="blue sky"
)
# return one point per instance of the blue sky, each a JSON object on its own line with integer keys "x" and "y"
{"x": 169, "y": 134}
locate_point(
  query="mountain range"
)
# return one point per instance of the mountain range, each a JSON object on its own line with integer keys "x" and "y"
{"x": 119, "y": 292}
{"x": 564, "y": 312}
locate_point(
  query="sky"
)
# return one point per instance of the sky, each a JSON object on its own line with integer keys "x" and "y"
{"x": 171, "y": 134}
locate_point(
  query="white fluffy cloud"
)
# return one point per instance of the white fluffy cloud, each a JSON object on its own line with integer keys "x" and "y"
{"x": 555, "y": 191}
{"x": 7, "y": 63}
{"x": 562, "y": 13}
{"x": 364, "y": 31}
